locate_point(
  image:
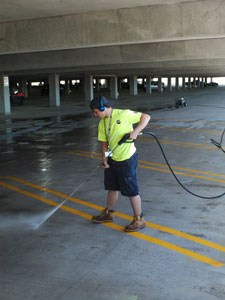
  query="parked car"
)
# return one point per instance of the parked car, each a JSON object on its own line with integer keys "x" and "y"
{"x": 16, "y": 97}
{"x": 154, "y": 86}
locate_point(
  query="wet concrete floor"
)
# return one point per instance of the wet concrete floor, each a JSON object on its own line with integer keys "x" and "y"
{"x": 181, "y": 252}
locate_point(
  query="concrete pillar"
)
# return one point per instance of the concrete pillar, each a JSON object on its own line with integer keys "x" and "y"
{"x": 194, "y": 81}
{"x": 119, "y": 83}
{"x": 199, "y": 82}
{"x": 159, "y": 84}
{"x": 5, "y": 107}
{"x": 88, "y": 88}
{"x": 113, "y": 87}
{"x": 98, "y": 84}
{"x": 133, "y": 85}
{"x": 183, "y": 83}
{"x": 29, "y": 88}
{"x": 148, "y": 85}
{"x": 82, "y": 84}
{"x": 24, "y": 88}
{"x": 67, "y": 86}
{"x": 189, "y": 82}
{"x": 54, "y": 94}
{"x": 169, "y": 87}
{"x": 177, "y": 83}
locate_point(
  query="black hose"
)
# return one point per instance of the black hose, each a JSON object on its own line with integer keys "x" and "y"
{"x": 171, "y": 170}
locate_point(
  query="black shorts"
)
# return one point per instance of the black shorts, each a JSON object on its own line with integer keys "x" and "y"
{"x": 122, "y": 176}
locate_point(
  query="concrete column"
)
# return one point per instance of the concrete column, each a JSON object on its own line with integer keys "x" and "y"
{"x": 82, "y": 84}
{"x": 159, "y": 84}
{"x": 133, "y": 85}
{"x": 29, "y": 88}
{"x": 183, "y": 83}
{"x": 113, "y": 87}
{"x": 24, "y": 88}
{"x": 169, "y": 87}
{"x": 88, "y": 88}
{"x": 189, "y": 82}
{"x": 54, "y": 94}
{"x": 98, "y": 84}
{"x": 194, "y": 81}
{"x": 177, "y": 83}
{"x": 148, "y": 85}
{"x": 67, "y": 86}
{"x": 199, "y": 82}
{"x": 4, "y": 95}
{"x": 119, "y": 83}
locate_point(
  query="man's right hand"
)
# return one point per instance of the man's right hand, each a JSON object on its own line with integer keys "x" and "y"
{"x": 105, "y": 165}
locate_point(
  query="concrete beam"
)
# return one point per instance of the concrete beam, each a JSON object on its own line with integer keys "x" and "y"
{"x": 116, "y": 27}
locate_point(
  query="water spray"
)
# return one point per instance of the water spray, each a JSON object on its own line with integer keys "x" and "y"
{"x": 64, "y": 201}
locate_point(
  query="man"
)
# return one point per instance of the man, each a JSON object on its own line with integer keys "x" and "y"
{"x": 120, "y": 162}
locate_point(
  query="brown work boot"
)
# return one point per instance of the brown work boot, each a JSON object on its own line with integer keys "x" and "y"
{"x": 105, "y": 216}
{"x": 137, "y": 224}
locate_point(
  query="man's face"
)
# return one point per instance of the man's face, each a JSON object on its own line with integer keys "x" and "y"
{"x": 98, "y": 113}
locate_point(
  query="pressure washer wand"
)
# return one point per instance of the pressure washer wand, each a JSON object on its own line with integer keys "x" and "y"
{"x": 123, "y": 140}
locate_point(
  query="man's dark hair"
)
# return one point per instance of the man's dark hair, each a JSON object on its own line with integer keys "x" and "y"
{"x": 100, "y": 101}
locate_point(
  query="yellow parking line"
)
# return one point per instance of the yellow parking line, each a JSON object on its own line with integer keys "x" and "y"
{"x": 182, "y": 144}
{"x": 139, "y": 235}
{"x": 183, "y": 169}
{"x": 188, "y": 120}
{"x": 184, "y": 129}
{"x": 184, "y": 174}
{"x": 124, "y": 216}
{"x": 160, "y": 165}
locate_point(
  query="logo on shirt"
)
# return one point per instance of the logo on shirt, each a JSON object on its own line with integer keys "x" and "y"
{"x": 118, "y": 121}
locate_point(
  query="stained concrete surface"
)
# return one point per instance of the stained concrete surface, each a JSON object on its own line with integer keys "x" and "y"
{"x": 68, "y": 257}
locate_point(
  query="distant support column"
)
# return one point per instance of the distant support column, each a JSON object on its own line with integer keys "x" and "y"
{"x": 54, "y": 95}
{"x": 113, "y": 87}
{"x": 194, "y": 81}
{"x": 24, "y": 88}
{"x": 4, "y": 95}
{"x": 133, "y": 85}
{"x": 67, "y": 86}
{"x": 189, "y": 82}
{"x": 88, "y": 88}
{"x": 160, "y": 85}
{"x": 177, "y": 83}
{"x": 148, "y": 85}
{"x": 183, "y": 83}
{"x": 169, "y": 88}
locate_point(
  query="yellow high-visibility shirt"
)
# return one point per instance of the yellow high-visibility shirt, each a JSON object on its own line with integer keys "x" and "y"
{"x": 121, "y": 123}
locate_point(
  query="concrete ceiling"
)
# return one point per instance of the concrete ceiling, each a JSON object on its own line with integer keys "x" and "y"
{"x": 158, "y": 37}
{"x": 14, "y": 10}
